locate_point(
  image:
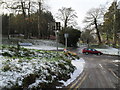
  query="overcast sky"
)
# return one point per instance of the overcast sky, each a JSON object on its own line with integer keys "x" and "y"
{"x": 80, "y": 6}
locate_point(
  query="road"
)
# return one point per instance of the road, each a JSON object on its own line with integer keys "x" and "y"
{"x": 99, "y": 72}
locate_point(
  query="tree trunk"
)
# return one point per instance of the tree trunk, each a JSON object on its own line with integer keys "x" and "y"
{"x": 29, "y": 29}
{"x": 114, "y": 39}
{"x": 97, "y": 31}
{"x": 24, "y": 14}
{"x": 39, "y": 13}
{"x": 65, "y": 23}
{"x": 107, "y": 38}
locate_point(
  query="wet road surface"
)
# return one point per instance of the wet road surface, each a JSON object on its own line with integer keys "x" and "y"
{"x": 99, "y": 72}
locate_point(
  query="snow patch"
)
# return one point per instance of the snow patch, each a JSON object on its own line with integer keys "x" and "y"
{"x": 79, "y": 64}
{"x": 111, "y": 51}
{"x": 116, "y": 61}
{"x": 43, "y": 47}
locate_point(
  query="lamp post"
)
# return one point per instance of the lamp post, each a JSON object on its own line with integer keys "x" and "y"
{"x": 56, "y": 34}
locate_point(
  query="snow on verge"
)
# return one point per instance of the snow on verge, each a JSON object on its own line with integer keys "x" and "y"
{"x": 79, "y": 64}
{"x": 42, "y": 47}
{"x": 111, "y": 51}
{"x": 116, "y": 61}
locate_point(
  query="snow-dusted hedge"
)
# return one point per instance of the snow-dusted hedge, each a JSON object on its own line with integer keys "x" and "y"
{"x": 33, "y": 69}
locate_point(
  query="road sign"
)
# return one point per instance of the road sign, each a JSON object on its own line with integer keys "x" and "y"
{"x": 66, "y": 35}
{"x": 54, "y": 25}
{"x": 57, "y": 24}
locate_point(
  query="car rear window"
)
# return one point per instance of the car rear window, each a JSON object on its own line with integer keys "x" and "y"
{"x": 85, "y": 49}
{"x": 93, "y": 50}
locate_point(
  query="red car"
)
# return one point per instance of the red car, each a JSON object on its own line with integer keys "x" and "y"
{"x": 91, "y": 51}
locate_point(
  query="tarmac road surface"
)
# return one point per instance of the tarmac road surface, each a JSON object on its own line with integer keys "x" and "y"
{"x": 99, "y": 72}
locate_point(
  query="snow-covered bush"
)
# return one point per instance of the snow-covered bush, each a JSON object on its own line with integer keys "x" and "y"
{"x": 33, "y": 69}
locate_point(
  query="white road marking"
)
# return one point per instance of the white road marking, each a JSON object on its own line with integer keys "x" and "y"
{"x": 101, "y": 66}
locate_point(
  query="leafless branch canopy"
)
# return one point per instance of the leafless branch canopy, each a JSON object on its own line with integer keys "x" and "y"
{"x": 67, "y": 15}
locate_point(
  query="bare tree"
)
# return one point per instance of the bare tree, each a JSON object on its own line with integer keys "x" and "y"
{"x": 94, "y": 17}
{"x": 67, "y": 15}
{"x": 39, "y": 15}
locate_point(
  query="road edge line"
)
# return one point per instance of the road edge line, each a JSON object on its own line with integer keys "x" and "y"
{"x": 114, "y": 74}
{"x": 77, "y": 80}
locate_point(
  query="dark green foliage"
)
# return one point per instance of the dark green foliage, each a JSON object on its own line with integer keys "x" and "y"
{"x": 87, "y": 37}
{"x": 23, "y": 52}
{"x": 17, "y": 24}
{"x": 98, "y": 46}
{"x": 62, "y": 66}
{"x": 7, "y": 54}
{"x": 29, "y": 80}
{"x": 67, "y": 61}
{"x": 5, "y": 24}
{"x": 111, "y": 25}
{"x": 6, "y": 68}
{"x": 73, "y": 37}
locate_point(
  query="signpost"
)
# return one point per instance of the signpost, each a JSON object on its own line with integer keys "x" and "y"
{"x": 66, "y": 36}
{"x": 56, "y": 34}
{"x": 57, "y": 28}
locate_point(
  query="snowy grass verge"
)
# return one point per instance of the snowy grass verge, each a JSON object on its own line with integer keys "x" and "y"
{"x": 35, "y": 69}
